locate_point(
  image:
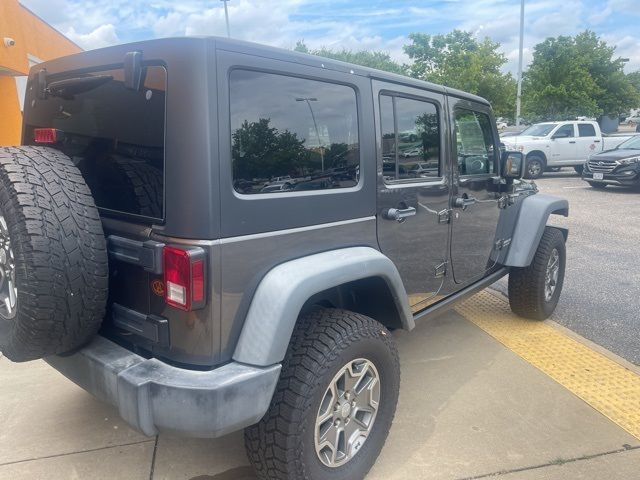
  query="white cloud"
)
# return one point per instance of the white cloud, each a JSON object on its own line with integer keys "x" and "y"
{"x": 347, "y": 24}
{"x": 103, "y": 36}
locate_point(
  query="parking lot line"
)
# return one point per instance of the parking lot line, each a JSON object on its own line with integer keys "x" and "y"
{"x": 607, "y": 386}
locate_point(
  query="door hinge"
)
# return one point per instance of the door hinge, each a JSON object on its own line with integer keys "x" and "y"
{"x": 444, "y": 216}
{"x": 441, "y": 270}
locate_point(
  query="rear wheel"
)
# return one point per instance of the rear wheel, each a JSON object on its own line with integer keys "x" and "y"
{"x": 534, "y": 291}
{"x": 598, "y": 185}
{"x": 334, "y": 403}
{"x": 53, "y": 259}
{"x": 535, "y": 166}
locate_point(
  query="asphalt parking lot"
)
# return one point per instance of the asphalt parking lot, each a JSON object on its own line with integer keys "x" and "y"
{"x": 601, "y": 291}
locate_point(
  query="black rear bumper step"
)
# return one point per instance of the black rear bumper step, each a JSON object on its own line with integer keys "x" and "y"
{"x": 147, "y": 254}
{"x": 151, "y": 327}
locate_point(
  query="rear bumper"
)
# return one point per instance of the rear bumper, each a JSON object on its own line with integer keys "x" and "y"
{"x": 155, "y": 397}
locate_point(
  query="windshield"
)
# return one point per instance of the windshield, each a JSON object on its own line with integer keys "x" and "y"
{"x": 539, "y": 130}
{"x": 632, "y": 144}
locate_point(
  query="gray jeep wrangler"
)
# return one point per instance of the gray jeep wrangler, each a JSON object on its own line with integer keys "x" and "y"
{"x": 212, "y": 235}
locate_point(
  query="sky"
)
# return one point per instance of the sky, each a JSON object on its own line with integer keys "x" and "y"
{"x": 354, "y": 24}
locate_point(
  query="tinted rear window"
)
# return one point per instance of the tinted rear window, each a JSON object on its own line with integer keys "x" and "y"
{"x": 114, "y": 135}
{"x": 292, "y": 134}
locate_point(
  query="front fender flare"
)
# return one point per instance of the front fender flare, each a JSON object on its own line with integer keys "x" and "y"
{"x": 283, "y": 291}
{"x": 532, "y": 219}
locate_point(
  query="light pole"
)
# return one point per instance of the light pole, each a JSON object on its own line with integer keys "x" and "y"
{"x": 226, "y": 16}
{"x": 315, "y": 125}
{"x": 519, "y": 91}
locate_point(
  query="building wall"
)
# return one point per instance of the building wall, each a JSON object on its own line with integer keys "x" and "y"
{"x": 35, "y": 40}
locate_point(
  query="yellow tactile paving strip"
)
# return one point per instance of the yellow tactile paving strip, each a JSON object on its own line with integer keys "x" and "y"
{"x": 607, "y": 386}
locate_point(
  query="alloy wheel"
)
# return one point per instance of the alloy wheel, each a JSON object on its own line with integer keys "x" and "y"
{"x": 8, "y": 288}
{"x": 347, "y": 412}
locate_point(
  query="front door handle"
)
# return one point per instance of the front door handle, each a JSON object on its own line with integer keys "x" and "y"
{"x": 463, "y": 202}
{"x": 572, "y": 141}
{"x": 399, "y": 214}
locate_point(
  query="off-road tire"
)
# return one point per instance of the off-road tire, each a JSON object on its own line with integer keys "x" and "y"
{"x": 281, "y": 446}
{"x": 60, "y": 254}
{"x": 598, "y": 185}
{"x": 527, "y": 284}
{"x": 145, "y": 184}
{"x": 531, "y": 159}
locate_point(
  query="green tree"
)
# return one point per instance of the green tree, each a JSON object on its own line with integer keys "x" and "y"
{"x": 634, "y": 79}
{"x": 572, "y": 76}
{"x": 459, "y": 60}
{"x": 373, "y": 59}
{"x": 260, "y": 150}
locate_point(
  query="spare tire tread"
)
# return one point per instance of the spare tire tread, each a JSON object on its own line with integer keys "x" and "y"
{"x": 61, "y": 258}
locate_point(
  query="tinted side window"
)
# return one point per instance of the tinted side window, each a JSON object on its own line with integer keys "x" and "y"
{"x": 586, "y": 130}
{"x": 410, "y": 138}
{"x": 566, "y": 130}
{"x": 292, "y": 134}
{"x": 474, "y": 143}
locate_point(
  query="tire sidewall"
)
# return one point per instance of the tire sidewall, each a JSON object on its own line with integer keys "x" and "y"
{"x": 376, "y": 351}
{"x": 9, "y": 211}
{"x": 548, "y": 307}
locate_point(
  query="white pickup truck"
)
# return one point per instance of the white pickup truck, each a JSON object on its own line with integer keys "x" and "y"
{"x": 560, "y": 144}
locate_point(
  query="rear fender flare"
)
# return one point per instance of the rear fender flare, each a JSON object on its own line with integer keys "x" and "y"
{"x": 283, "y": 291}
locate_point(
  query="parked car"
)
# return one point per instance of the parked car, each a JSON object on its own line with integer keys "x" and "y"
{"x": 422, "y": 169}
{"x": 632, "y": 120}
{"x": 619, "y": 166}
{"x": 200, "y": 310}
{"x": 560, "y": 144}
{"x": 278, "y": 186}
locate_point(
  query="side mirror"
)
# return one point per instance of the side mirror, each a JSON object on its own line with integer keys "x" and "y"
{"x": 512, "y": 165}
{"x": 560, "y": 135}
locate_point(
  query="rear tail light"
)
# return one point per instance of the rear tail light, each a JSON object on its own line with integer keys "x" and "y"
{"x": 184, "y": 277}
{"x": 46, "y": 135}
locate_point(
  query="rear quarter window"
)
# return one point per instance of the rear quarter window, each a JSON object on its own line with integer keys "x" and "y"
{"x": 291, "y": 134}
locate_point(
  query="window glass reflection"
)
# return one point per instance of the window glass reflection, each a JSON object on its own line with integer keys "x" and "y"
{"x": 292, "y": 134}
{"x": 474, "y": 143}
{"x": 411, "y": 148}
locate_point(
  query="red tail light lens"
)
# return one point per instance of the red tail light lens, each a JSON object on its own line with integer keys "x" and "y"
{"x": 184, "y": 277}
{"x": 46, "y": 135}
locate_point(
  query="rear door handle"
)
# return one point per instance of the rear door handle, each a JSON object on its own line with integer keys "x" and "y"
{"x": 399, "y": 214}
{"x": 572, "y": 141}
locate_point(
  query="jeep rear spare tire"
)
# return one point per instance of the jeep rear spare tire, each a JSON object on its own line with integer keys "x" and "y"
{"x": 53, "y": 258}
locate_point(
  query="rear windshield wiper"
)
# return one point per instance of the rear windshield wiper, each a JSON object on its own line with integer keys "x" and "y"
{"x": 72, "y": 86}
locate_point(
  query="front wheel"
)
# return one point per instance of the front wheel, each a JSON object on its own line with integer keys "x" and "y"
{"x": 334, "y": 403}
{"x": 534, "y": 291}
{"x": 579, "y": 169}
{"x": 535, "y": 166}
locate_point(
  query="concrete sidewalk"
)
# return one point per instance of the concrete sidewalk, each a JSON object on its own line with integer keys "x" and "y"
{"x": 469, "y": 408}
